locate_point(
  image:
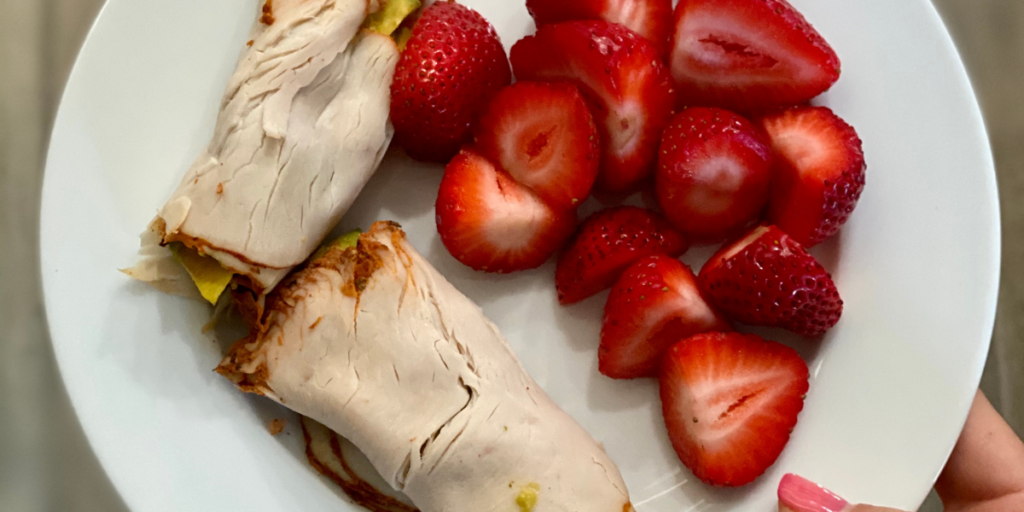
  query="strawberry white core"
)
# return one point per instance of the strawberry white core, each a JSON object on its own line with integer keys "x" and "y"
{"x": 515, "y": 218}
{"x": 805, "y": 151}
{"x": 719, "y": 178}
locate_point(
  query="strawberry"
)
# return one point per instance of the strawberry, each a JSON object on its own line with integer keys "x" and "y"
{"x": 606, "y": 244}
{"x": 713, "y": 172}
{"x": 651, "y": 19}
{"x": 730, "y": 402}
{"x": 748, "y": 55}
{"x": 626, "y": 85}
{"x": 767, "y": 278}
{"x": 654, "y": 305}
{"x": 819, "y": 172}
{"x": 544, "y": 136}
{"x": 490, "y": 222}
{"x": 452, "y": 64}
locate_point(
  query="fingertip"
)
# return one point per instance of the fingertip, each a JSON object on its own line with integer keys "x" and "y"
{"x": 797, "y": 494}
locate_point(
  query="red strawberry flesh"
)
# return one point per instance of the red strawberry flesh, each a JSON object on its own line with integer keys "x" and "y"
{"x": 766, "y": 278}
{"x": 651, "y": 19}
{"x": 730, "y": 402}
{"x": 655, "y": 304}
{"x": 544, "y": 136}
{"x": 490, "y": 222}
{"x": 606, "y": 244}
{"x": 748, "y": 55}
{"x": 819, "y": 172}
{"x": 714, "y": 168}
{"x": 621, "y": 76}
{"x": 451, "y": 66}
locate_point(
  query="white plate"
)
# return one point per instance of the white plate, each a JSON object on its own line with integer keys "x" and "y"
{"x": 917, "y": 265}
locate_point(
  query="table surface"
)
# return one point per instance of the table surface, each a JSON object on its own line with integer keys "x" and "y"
{"x": 45, "y": 461}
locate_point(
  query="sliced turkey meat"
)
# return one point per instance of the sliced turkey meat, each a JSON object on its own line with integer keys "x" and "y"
{"x": 375, "y": 344}
{"x": 302, "y": 127}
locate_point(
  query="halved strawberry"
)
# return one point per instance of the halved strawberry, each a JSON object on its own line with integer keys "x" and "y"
{"x": 767, "y": 278}
{"x": 819, "y": 172}
{"x": 490, "y": 222}
{"x": 451, "y": 66}
{"x": 653, "y": 306}
{"x": 649, "y": 18}
{"x": 713, "y": 172}
{"x": 748, "y": 55}
{"x": 730, "y": 402}
{"x": 606, "y": 244}
{"x": 544, "y": 136}
{"x": 620, "y": 74}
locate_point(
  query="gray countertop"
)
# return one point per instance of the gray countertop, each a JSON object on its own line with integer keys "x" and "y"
{"x": 45, "y": 462}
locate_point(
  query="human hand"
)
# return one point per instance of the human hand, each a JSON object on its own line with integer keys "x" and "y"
{"x": 985, "y": 473}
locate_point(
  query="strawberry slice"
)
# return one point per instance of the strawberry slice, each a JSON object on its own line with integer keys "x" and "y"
{"x": 606, "y": 244}
{"x": 451, "y": 66}
{"x": 649, "y": 18}
{"x": 620, "y": 74}
{"x": 730, "y": 401}
{"x": 819, "y": 172}
{"x": 713, "y": 173}
{"x": 490, "y": 222}
{"x": 767, "y": 278}
{"x": 654, "y": 305}
{"x": 748, "y": 55}
{"x": 544, "y": 136}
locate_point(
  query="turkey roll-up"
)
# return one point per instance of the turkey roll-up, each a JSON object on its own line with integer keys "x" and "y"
{"x": 375, "y": 344}
{"x": 301, "y": 129}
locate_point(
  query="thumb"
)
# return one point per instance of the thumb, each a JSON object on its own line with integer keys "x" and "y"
{"x": 797, "y": 494}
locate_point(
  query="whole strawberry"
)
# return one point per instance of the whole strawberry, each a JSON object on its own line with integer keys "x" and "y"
{"x": 654, "y": 304}
{"x": 649, "y": 18}
{"x": 713, "y": 173}
{"x": 621, "y": 75}
{"x": 452, "y": 64}
{"x": 489, "y": 221}
{"x": 818, "y": 173}
{"x": 543, "y": 135}
{"x": 767, "y": 278}
{"x": 730, "y": 402}
{"x": 748, "y": 55}
{"x": 606, "y": 244}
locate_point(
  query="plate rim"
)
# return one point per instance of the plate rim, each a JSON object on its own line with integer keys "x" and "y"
{"x": 982, "y": 140}
{"x": 994, "y": 213}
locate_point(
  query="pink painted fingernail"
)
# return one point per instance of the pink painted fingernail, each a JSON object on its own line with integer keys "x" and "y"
{"x": 798, "y": 494}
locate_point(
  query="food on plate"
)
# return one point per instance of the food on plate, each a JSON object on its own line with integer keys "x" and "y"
{"x": 730, "y": 402}
{"x": 713, "y": 172}
{"x": 390, "y": 16}
{"x": 489, "y": 221}
{"x": 767, "y": 278}
{"x": 371, "y": 341}
{"x": 622, "y": 77}
{"x": 606, "y": 244}
{"x": 344, "y": 241}
{"x": 210, "y": 279}
{"x": 543, "y": 135}
{"x": 819, "y": 172}
{"x": 654, "y": 304}
{"x": 748, "y": 55}
{"x": 276, "y": 426}
{"x": 302, "y": 127}
{"x": 375, "y": 344}
{"x": 651, "y": 19}
{"x": 335, "y": 458}
{"x": 452, "y": 64}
